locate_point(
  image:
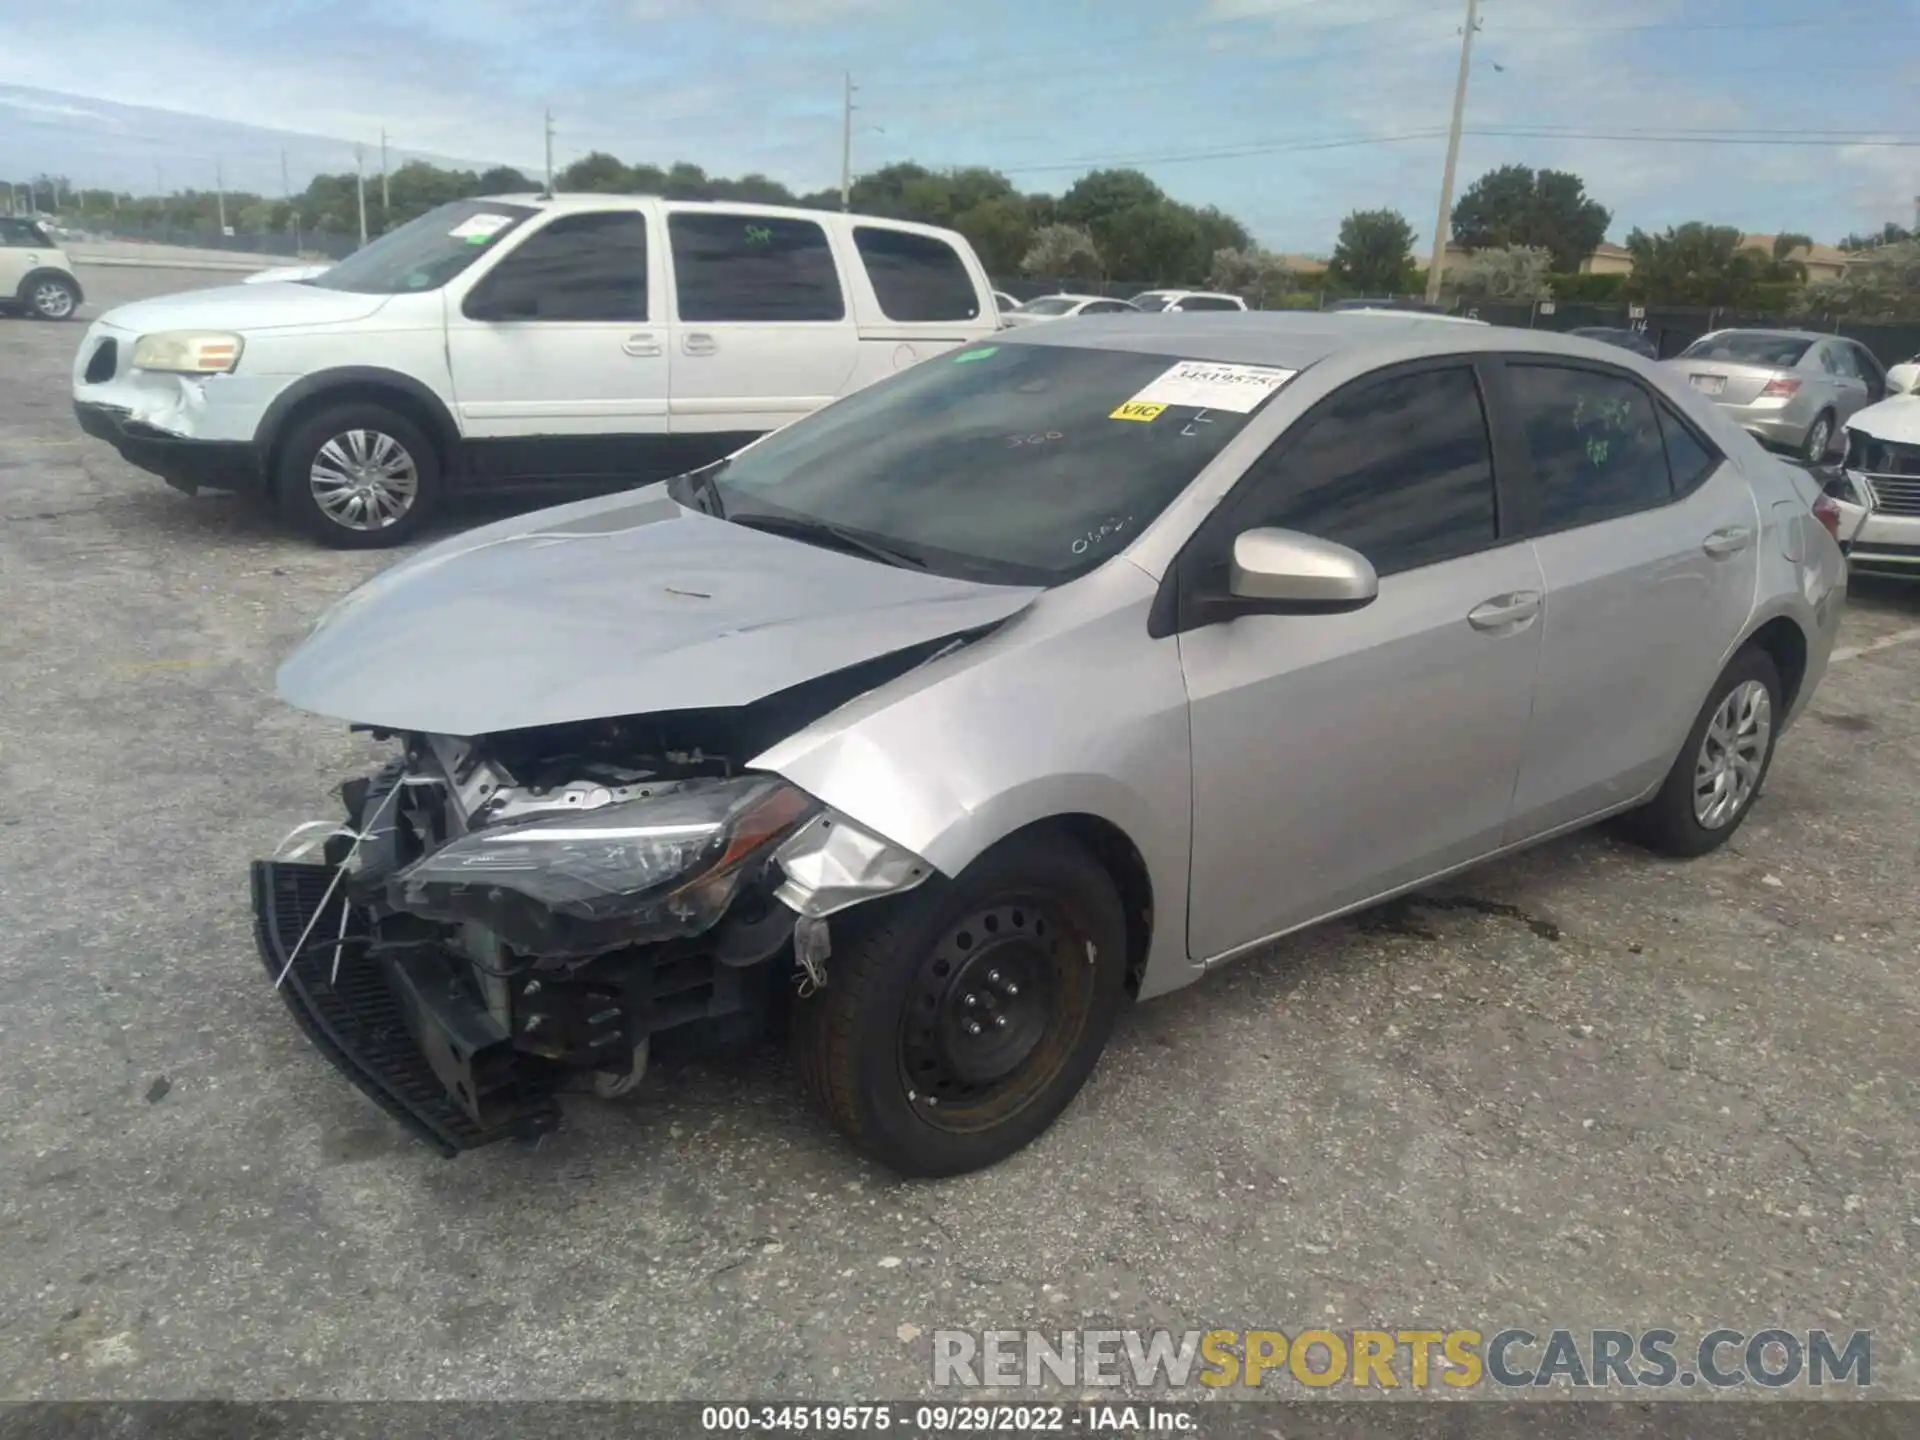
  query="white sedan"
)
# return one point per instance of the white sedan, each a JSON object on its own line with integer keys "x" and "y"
{"x": 1060, "y": 307}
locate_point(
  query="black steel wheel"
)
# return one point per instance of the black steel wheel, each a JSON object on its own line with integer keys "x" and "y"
{"x": 960, "y": 1019}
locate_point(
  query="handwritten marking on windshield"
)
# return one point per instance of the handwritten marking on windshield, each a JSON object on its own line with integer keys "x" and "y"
{"x": 1199, "y": 418}
{"x": 1100, "y": 533}
{"x": 1014, "y": 441}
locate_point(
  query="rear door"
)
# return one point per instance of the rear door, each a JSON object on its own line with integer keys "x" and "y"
{"x": 1648, "y": 542}
{"x": 557, "y": 353}
{"x": 1853, "y": 392}
{"x": 762, "y": 331}
{"x": 915, "y": 295}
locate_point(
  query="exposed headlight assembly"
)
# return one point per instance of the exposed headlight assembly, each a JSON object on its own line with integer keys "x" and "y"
{"x": 625, "y": 874}
{"x": 188, "y": 352}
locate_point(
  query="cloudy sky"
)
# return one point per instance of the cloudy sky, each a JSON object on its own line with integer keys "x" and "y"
{"x": 1288, "y": 113}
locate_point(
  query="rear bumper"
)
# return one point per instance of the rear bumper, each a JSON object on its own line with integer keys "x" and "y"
{"x": 186, "y": 464}
{"x": 371, "y": 1032}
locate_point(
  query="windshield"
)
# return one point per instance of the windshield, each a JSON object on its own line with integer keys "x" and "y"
{"x": 1015, "y": 464}
{"x": 1049, "y": 305}
{"x": 426, "y": 252}
{"x": 1749, "y": 347}
{"x": 1152, "y": 299}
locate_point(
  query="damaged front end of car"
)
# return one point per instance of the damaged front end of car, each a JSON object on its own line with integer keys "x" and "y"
{"x": 501, "y": 918}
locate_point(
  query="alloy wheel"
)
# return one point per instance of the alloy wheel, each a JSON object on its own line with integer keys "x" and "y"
{"x": 52, "y": 300}
{"x": 364, "y": 480}
{"x": 1726, "y": 772}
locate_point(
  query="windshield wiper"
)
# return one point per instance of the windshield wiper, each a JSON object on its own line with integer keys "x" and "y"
{"x": 800, "y": 527}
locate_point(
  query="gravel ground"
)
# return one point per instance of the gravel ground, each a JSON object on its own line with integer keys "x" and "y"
{"x": 1583, "y": 1087}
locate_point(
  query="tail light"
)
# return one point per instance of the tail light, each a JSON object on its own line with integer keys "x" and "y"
{"x": 1779, "y": 389}
{"x": 1827, "y": 512}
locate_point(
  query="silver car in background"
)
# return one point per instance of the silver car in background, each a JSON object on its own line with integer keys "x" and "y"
{"x": 1792, "y": 389}
{"x": 1065, "y": 307}
{"x": 1040, "y": 677}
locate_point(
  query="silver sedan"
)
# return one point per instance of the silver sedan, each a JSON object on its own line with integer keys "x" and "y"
{"x": 1038, "y": 679}
{"x": 1794, "y": 389}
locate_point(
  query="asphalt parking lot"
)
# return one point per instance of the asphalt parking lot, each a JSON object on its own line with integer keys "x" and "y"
{"x": 1581, "y": 1088}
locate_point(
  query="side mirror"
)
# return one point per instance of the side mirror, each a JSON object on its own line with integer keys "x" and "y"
{"x": 1286, "y": 572}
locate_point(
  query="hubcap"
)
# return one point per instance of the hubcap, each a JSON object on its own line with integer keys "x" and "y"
{"x": 1726, "y": 774}
{"x": 53, "y": 301}
{"x": 993, "y": 1013}
{"x": 364, "y": 480}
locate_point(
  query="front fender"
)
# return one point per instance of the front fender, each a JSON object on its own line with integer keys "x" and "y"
{"x": 1070, "y": 709}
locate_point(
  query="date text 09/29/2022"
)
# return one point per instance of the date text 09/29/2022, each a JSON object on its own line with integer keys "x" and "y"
{"x": 1119, "y": 1419}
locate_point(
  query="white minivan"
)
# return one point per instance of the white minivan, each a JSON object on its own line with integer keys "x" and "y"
{"x": 521, "y": 342}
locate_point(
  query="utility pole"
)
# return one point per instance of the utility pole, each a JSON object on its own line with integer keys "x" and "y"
{"x": 220, "y": 194}
{"x": 383, "y": 173}
{"x": 286, "y": 193}
{"x": 360, "y": 186}
{"x": 846, "y": 144}
{"x": 1442, "y": 226}
{"x": 549, "y": 152}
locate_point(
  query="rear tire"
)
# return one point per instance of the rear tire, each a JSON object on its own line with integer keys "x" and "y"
{"x": 960, "y": 1019}
{"x": 1722, "y": 767}
{"x": 358, "y": 476}
{"x": 48, "y": 297}
{"x": 1819, "y": 439}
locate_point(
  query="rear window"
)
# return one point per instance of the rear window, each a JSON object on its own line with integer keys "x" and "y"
{"x": 23, "y": 234}
{"x": 739, "y": 266}
{"x": 916, "y": 277}
{"x": 1207, "y": 302}
{"x": 1751, "y": 347}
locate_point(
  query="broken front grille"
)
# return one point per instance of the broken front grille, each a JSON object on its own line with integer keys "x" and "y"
{"x": 103, "y": 362}
{"x": 1891, "y": 471}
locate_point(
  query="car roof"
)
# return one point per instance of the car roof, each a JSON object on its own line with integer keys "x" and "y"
{"x": 1296, "y": 339}
{"x": 564, "y": 202}
{"x": 1783, "y": 332}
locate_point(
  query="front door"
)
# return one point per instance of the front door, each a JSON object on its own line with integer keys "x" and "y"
{"x": 559, "y": 365}
{"x": 1338, "y": 757}
{"x": 762, "y": 332}
{"x": 1649, "y": 542}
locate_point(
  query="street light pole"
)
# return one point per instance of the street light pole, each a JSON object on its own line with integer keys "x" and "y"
{"x": 360, "y": 186}
{"x": 846, "y": 145}
{"x": 549, "y": 153}
{"x": 1441, "y": 226}
{"x": 383, "y": 174}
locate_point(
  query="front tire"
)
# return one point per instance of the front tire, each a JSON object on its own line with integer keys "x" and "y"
{"x": 358, "y": 476}
{"x": 48, "y": 297}
{"x": 960, "y": 1019}
{"x": 1723, "y": 765}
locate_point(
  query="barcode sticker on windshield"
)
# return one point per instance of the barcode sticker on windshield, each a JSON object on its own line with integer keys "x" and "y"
{"x": 479, "y": 227}
{"x": 1208, "y": 385}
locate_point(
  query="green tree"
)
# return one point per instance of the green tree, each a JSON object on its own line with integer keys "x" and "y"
{"x": 1882, "y": 284}
{"x": 1099, "y": 195}
{"x": 1255, "y": 274}
{"x": 1519, "y": 272}
{"x": 1062, "y": 252}
{"x": 598, "y": 172}
{"x": 1697, "y": 264}
{"x": 1888, "y": 234}
{"x": 1788, "y": 241}
{"x": 504, "y": 180}
{"x": 1373, "y": 253}
{"x": 1546, "y": 209}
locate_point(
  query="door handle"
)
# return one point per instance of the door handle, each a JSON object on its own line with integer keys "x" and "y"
{"x": 1505, "y": 612}
{"x": 1728, "y": 541}
{"x": 641, "y": 344}
{"x": 699, "y": 344}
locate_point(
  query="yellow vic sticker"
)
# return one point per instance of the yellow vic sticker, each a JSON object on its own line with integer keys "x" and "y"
{"x": 1137, "y": 410}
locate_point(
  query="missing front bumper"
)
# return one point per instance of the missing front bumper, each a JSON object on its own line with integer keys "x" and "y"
{"x": 356, "y": 1019}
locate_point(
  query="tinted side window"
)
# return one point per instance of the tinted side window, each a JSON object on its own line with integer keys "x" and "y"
{"x": 1596, "y": 444}
{"x": 916, "y": 277}
{"x": 1399, "y": 469}
{"x": 23, "y": 235}
{"x": 730, "y": 266}
{"x": 577, "y": 267}
{"x": 1689, "y": 460}
{"x": 1207, "y": 302}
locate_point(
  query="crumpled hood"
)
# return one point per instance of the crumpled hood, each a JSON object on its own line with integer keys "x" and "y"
{"x": 271, "y": 305}
{"x": 1896, "y": 418}
{"x": 615, "y": 606}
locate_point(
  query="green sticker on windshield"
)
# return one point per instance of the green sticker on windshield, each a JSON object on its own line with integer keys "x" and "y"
{"x": 965, "y": 356}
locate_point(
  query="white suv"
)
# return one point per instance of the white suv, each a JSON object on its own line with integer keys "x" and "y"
{"x": 518, "y": 342}
{"x": 35, "y": 275}
{"x": 1182, "y": 301}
